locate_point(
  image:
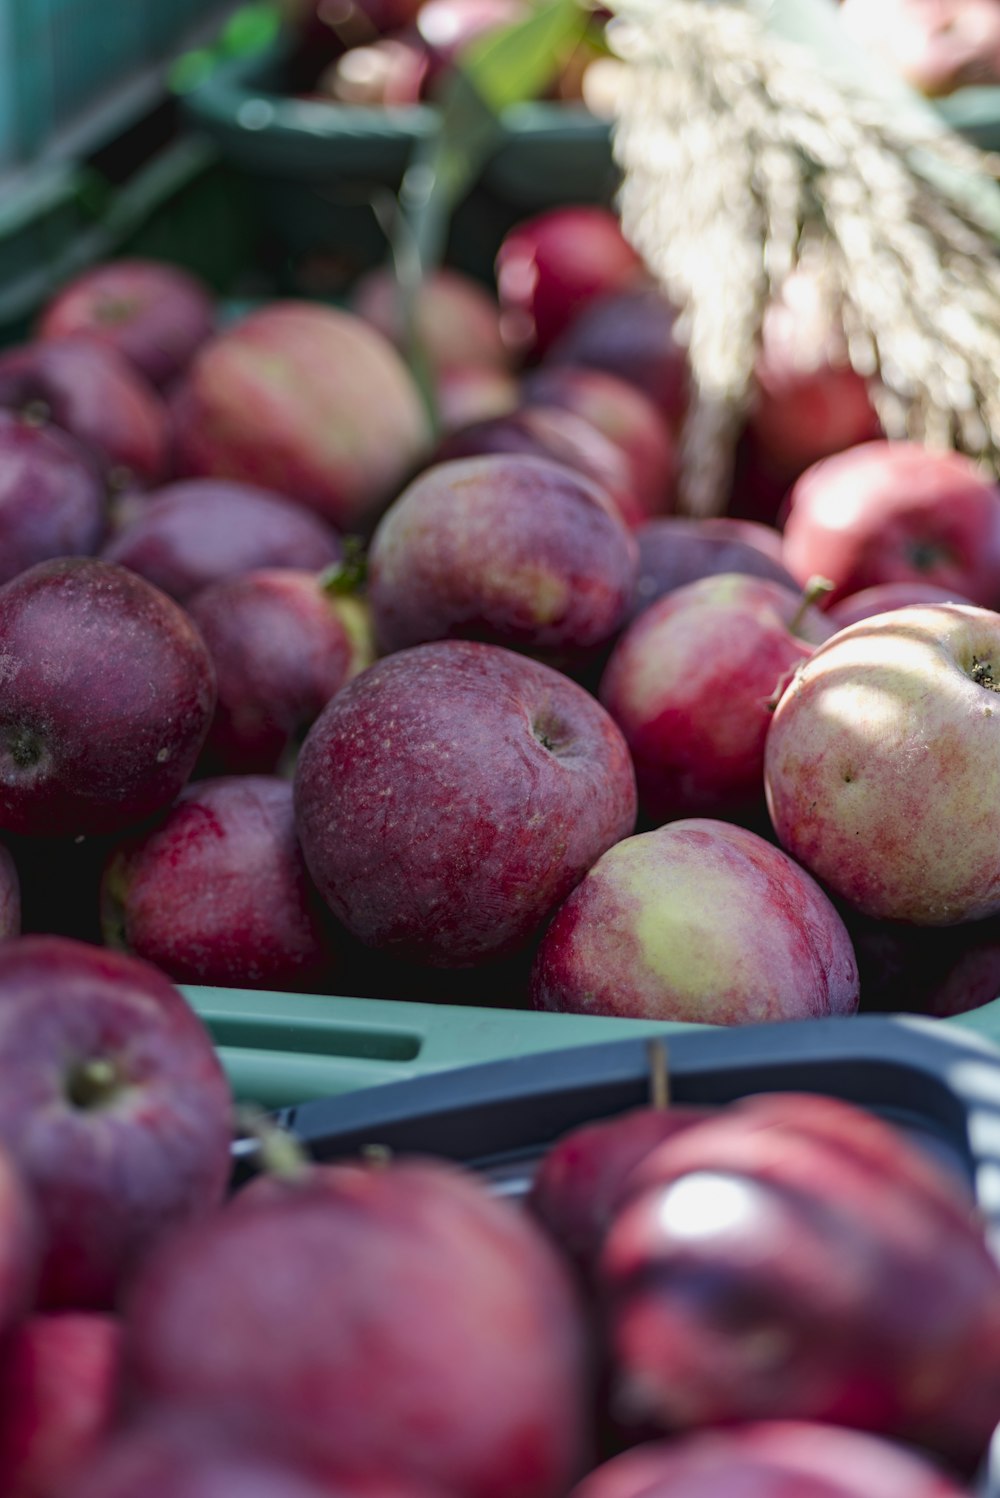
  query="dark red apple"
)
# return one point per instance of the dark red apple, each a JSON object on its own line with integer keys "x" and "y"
{"x": 396, "y": 1316}
{"x": 217, "y": 892}
{"x": 10, "y": 896}
{"x": 770, "y": 1459}
{"x": 306, "y": 400}
{"x": 108, "y": 695}
{"x": 156, "y": 315}
{"x": 674, "y": 551}
{"x": 282, "y": 643}
{"x": 457, "y": 320}
{"x": 624, "y": 415}
{"x": 20, "y": 1241}
{"x": 114, "y": 1106}
{"x": 453, "y": 794}
{"x": 96, "y": 396}
{"x": 53, "y": 500}
{"x": 551, "y": 267}
{"x": 631, "y": 333}
{"x": 519, "y": 551}
{"x": 884, "y": 597}
{"x": 191, "y": 534}
{"x": 60, "y": 1388}
{"x": 920, "y": 970}
{"x": 889, "y": 512}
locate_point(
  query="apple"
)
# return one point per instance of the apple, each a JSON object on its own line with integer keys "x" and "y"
{"x": 675, "y": 550}
{"x": 453, "y": 794}
{"x": 937, "y": 47}
{"x": 842, "y": 1275}
{"x": 770, "y": 1459}
{"x": 114, "y": 1107}
{"x": 518, "y": 551}
{"x": 60, "y": 1388}
{"x": 472, "y": 393}
{"x": 623, "y": 414}
{"x": 692, "y": 683}
{"x": 190, "y": 534}
{"x": 108, "y": 695}
{"x": 457, "y": 320}
{"x": 631, "y": 333}
{"x": 154, "y": 314}
{"x": 53, "y": 501}
{"x": 389, "y": 72}
{"x": 96, "y": 396}
{"x": 395, "y": 1315}
{"x": 560, "y": 435}
{"x": 10, "y": 896}
{"x": 886, "y": 596}
{"x": 890, "y": 512}
{"x": 699, "y": 921}
{"x": 924, "y": 969}
{"x": 549, "y": 268}
{"x": 19, "y": 1244}
{"x": 880, "y": 764}
{"x": 309, "y": 401}
{"x": 282, "y": 642}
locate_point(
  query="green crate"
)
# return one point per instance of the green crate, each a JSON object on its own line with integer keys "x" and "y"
{"x": 280, "y": 1049}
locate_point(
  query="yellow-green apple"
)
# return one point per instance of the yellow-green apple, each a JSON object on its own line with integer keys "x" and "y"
{"x": 96, "y": 396}
{"x": 108, "y": 693}
{"x": 282, "y": 643}
{"x": 624, "y": 415}
{"x": 878, "y": 749}
{"x": 885, "y": 596}
{"x": 306, "y": 400}
{"x": 154, "y": 314}
{"x": 457, "y": 319}
{"x": 60, "y": 1392}
{"x": 256, "y": 922}
{"x": 700, "y": 921}
{"x": 891, "y": 512}
{"x": 413, "y": 1323}
{"x": 453, "y": 794}
{"x": 114, "y": 1107}
{"x": 518, "y": 551}
{"x": 551, "y": 267}
{"x": 187, "y": 535}
{"x": 53, "y": 501}
{"x": 692, "y": 684}
{"x": 674, "y": 550}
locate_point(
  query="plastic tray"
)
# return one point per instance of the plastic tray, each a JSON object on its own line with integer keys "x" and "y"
{"x": 281, "y": 1049}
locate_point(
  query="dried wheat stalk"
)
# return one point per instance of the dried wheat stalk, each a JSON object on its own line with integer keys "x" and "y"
{"x": 740, "y": 156}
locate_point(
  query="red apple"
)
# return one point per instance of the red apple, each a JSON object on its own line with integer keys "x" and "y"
{"x": 282, "y": 643}
{"x": 924, "y": 969}
{"x": 19, "y": 1244}
{"x": 886, "y": 596}
{"x": 889, "y": 512}
{"x": 453, "y": 794}
{"x": 551, "y": 267}
{"x": 623, "y": 414}
{"x": 457, "y": 320}
{"x": 518, "y": 551}
{"x": 309, "y": 401}
{"x": 60, "y": 1386}
{"x": 190, "y": 534}
{"x": 217, "y": 892}
{"x": 108, "y": 695}
{"x": 692, "y": 683}
{"x": 114, "y": 1106}
{"x": 472, "y": 393}
{"x": 10, "y": 896}
{"x": 674, "y": 551}
{"x": 631, "y": 333}
{"x": 155, "y": 315}
{"x": 880, "y": 765}
{"x": 698, "y": 921}
{"x": 392, "y": 1317}
{"x": 52, "y": 498}
{"x": 769, "y": 1459}
{"x": 96, "y": 396}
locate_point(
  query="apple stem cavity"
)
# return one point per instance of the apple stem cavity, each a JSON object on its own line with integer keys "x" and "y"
{"x": 35, "y": 413}
{"x": 659, "y": 1074}
{"x": 278, "y": 1153}
{"x": 93, "y": 1084}
{"x": 811, "y": 593}
{"x": 982, "y": 674}
{"x": 349, "y": 575}
{"x": 25, "y": 747}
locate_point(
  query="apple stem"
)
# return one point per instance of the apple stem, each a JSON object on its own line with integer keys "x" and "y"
{"x": 279, "y": 1152}
{"x": 659, "y": 1073}
{"x": 349, "y": 575}
{"x": 813, "y": 590}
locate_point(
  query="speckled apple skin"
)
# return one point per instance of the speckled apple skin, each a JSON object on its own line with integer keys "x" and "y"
{"x": 453, "y": 794}
{"x": 519, "y": 551}
{"x": 882, "y": 763}
{"x": 699, "y": 921}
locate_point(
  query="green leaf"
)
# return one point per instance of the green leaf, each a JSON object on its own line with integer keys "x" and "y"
{"x": 518, "y": 63}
